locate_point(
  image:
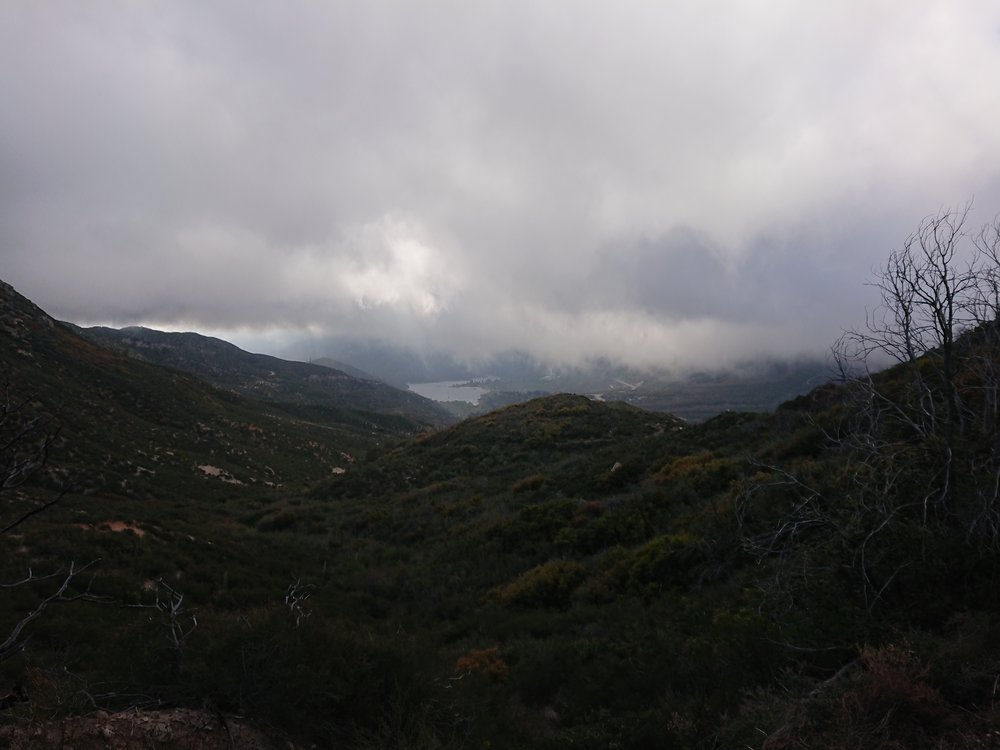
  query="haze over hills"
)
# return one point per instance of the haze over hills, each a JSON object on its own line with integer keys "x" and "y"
{"x": 508, "y": 379}
{"x": 343, "y": 367}
{"x": 756, "y": 385}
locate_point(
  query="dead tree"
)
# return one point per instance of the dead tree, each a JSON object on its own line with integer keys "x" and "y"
{"x": 178, "y": 621}
{"x": 26, "y": 440}
{"x": 937, "y": 411}
{"x": 16, "y": 639}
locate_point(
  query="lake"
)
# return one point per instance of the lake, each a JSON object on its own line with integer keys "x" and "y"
{"x": 448, "y": 390}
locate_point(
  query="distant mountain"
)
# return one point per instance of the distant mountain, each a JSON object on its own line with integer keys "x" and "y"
{"x": 755, "y": 387}
{"x": 515, "y": 377}
{"x": 314, "y": 389}
{"x": 334, "y": 364}
{"x": 390, "y": 363}
{"x": 749, "y": 387}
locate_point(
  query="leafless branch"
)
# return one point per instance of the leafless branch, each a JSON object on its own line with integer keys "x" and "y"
{"x": 14, "y": 641}
{"x": 295, "y": 597}
{"x": 179, "y": 622}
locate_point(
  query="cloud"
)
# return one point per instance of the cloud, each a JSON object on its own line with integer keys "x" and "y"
{"x": 384, "y": 264}
{"x": 672, "y": 182}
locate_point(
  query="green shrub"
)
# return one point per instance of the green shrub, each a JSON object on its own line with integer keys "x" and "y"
{"x": 704, "y": 471}
{"x": 548, "y": 585}
{"x": 664, "y": 562}
{"x": 528, "y": 483}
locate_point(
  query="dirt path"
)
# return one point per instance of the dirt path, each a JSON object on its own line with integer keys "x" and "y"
{"x": 137, "y": 730}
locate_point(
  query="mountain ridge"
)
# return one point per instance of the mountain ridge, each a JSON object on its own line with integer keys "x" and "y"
{"x": 268, "y": 378}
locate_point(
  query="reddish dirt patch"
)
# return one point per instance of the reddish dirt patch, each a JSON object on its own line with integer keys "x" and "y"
{"x": 120, "y": 526}
{"x": 115, "y": 526}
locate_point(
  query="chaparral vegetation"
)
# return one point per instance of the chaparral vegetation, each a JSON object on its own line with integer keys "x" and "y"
{"x": 557, "y": 573}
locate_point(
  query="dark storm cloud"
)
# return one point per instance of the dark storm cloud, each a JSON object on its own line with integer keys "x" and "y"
{"x": 660, "y": 182}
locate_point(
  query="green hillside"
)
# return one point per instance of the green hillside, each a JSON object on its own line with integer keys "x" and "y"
{"x": 341, "y": 396}
{"x": 558, "y": 573}
{"x": 132, "y": 428}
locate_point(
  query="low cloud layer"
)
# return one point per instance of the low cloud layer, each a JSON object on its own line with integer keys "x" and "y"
{"x": 661, "y": 183}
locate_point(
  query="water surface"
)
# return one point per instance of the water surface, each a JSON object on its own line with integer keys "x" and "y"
{"x": 449, "y": 390}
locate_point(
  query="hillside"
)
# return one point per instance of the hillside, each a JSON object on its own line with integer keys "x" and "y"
{"x": 336, "y": 394}
{"x": 334, "y": 364}
{"x": 143, "y": 429}
{"x": 558, "y": 573}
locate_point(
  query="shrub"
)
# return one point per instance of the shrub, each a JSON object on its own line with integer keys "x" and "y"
{"x": 893, "y": 698}
{"x": 485, "y": 661}
{"x": 886, "y": 704}
{"x": 279, "y": 521}
{"x": 704, "y": 471}
{"x": 528, "y": 483}
{"x": 547, "y": 585}
{"x": 664, "y": 562}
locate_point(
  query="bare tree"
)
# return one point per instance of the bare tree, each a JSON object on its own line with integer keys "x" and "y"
{"x": 26, "y": 439}
{"x": 938, "y": 410}
{"x": 176, "y": 618}
{"x": 917, "y": 432}
{"x": 16, "y": 639}
{"x": 295, "y": 598}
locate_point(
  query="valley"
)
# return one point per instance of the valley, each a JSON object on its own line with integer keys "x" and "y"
{"x": 499, "y": 375}
{"x": 752, "y": 386}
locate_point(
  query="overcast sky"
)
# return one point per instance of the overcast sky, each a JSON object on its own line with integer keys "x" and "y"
{"x": 660, "y": 182}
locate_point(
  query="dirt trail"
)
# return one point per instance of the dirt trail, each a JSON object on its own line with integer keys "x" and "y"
{"x": 137, "y": 730}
